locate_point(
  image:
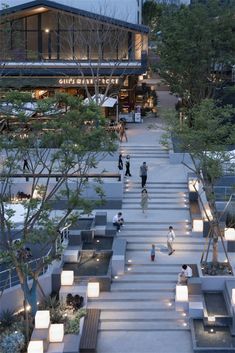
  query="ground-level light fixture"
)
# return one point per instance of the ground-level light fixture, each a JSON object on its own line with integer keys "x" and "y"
{"x": 67, "y": 278}
{"x": 181, "y": 293}
{"x": 42, "y": 319}
{"x": 35, "y": 347}
{"x": 93, "y": 290}
{"x": 56, "y": 333}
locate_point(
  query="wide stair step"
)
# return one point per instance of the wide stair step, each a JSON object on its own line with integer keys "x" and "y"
{"x": 146, "y": 278}
{"x": 143, "y": 286}
{"x": 144, "y": 325}
{"x": 183, "y": 246}
{"x": 139, "y": 296}
{"x": 147, "y": 306}
{"x": 142, "y": 315}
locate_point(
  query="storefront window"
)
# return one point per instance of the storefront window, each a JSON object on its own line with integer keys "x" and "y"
{"x": 51, "y": 35}
{"x": 32, "y": 45}
{"x": 32, "y": 23}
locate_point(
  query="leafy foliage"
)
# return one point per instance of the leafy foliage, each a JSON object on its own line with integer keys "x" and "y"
{"x": 65, "y": 138}
{"x": 13, "y": 342}
{"x": 197, "y": 49}
{"x": 7, "y": 318}
{"x": 73, "y": 325}
{"x": 207, "y": 142}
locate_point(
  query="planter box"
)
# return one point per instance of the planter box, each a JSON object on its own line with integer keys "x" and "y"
{"x": 72, "y": 341}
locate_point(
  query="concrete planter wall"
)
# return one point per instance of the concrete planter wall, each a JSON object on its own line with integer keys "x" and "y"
{"x": 13, "y": 298}
{"x": 212, "y": 283}
{"x": 113, "y": 189}
{"x": 119, "y": 257}
{"x": 179, "y": 157}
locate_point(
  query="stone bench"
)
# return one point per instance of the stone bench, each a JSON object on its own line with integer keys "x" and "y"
{"x": 119, "y": 256}
{"x": 110, "y": 229}
{"x": 100, "y": 218}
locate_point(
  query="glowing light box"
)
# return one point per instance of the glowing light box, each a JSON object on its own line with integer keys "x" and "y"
{"x": 56, "y": 333}
{"x": 93, "y": 290}
{"x": 67, "y": 278}
{"x": 42, "y": 319}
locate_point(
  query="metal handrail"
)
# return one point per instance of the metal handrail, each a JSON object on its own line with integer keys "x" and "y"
{"x": 9, "y": 277}
{"x": 223, "y": 193}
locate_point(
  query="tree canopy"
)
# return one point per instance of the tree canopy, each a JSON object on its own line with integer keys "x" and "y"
{"x": 207, "y": 141}
{"x": 197, "y": 50}
{"x": 63, "y": 138}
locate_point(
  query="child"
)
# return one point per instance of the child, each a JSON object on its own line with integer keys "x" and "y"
{"x": 152, "y": 253}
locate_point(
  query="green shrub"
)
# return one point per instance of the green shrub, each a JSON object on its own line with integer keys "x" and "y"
{"x": 7, "y": 318}
{"x": 73, "y": 326}
{"x": 49, "y": 302}
{"x": 13, "y": 342}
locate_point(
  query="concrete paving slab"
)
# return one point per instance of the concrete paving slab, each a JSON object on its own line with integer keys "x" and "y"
{"x": 148, "y": 342}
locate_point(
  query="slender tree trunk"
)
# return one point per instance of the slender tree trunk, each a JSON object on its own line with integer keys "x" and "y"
{"x": 214, "y": 223}
{"x": 30, "y": 295}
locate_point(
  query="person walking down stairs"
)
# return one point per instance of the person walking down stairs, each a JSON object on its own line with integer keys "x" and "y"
{"x": 170, "y": 240}
{"x": 144, "y": 200}
{"x": 143, "y": 174}
{"x": 128, "y": 165}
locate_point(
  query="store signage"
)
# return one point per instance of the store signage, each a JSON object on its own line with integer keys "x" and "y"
{"x": 74, "y": 81}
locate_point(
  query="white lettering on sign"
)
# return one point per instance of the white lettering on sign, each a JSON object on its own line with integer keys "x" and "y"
{"x": 71, "y": 81}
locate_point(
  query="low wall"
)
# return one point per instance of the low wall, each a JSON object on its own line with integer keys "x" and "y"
{"x": 213, "y": 283}
{"x": 179, "y": 157}
{"x": 113, "y": 189}
{"x": 119, "y": 257}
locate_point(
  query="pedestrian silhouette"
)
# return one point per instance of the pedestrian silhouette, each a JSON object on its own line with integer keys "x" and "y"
{"x": 25, "y": 165}
{"x": 128, "y": 173}
{"x": 120, "y": 162}
{"x": 143, "y": 174}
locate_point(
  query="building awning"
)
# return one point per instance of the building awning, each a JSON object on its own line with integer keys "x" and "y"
{"x": 101, "y": 100}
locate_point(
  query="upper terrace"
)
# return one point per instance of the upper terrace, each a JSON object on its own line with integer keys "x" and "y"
{"x": 42, "y": 31}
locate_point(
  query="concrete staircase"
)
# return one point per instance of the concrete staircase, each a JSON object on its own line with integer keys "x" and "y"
{"x": 138, "y": 315}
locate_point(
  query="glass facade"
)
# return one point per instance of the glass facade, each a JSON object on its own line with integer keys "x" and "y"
{"x": 53, "y": 35}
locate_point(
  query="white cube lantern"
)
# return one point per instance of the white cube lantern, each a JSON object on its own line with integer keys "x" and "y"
{"x": 35, "y": 347}
{"x": 211, "y": 319}
{"x": 181, "y": 293}
{"x": 193, "y": 185}
{"x": 233, "y": 296}
{"x": 67, "y": 278}
{"x": 42, "y": 319}
{"x": 229, "y": 233}
{"x": 197, "y": 225}
{"x": 93, "y": 289}
{"x": 56, "y": 333}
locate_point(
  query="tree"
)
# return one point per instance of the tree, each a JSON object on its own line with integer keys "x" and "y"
{"x": 207, "y": 142}
{"x": 197, "y": 50}
{"x": 152, "y": 13}
{"x": 103, "y": 53}
{"x": 55, "y": 147}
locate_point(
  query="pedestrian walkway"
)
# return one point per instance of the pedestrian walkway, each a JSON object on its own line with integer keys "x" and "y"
{"x": 138, "y": 315}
